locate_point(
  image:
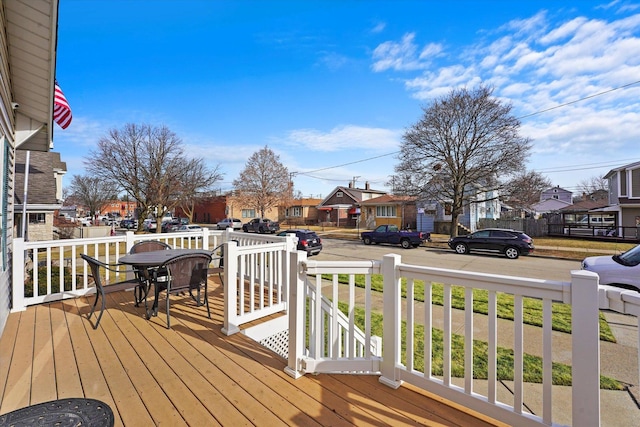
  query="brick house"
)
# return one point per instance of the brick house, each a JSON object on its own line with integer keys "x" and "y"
{"x": 342, "y": 207}
{"x": 389, "y": 209}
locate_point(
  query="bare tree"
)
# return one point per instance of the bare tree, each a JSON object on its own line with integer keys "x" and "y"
{"x": 524, "y": 189}
{"x": 596, "y": 187}
{"x": 465, "y": 138}
{"x": 91, "y": 191}
{"x": 149, "y": 164}
{"x": 264, "y": 182}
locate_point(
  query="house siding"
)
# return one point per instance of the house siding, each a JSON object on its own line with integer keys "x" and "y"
{"x": 7, "y": 163}
{"x": 635, "y": 183}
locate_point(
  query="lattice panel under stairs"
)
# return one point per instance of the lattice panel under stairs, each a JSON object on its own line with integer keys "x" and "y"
{"x": 278, "y": 343}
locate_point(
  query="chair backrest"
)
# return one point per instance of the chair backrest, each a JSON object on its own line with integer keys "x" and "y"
{"x": 148, "y": 246}
{"x": 187, "y": 271}
{"x": 95, "y": 265}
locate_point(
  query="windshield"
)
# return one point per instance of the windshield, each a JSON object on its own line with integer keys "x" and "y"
{"x": 631, "y": 257}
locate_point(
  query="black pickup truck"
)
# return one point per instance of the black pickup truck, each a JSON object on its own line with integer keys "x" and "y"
{"x": 261, "y": 225}
{"x": 391, "y": 234}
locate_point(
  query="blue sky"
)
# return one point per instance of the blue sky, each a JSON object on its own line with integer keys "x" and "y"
{"x": 331, "y": 86}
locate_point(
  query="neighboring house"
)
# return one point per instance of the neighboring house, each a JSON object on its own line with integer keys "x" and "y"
{"x": 481, "y": 203}
{"x": 552, "y": 200}
{"x": 390, "y": 209}
{"x": 27, "y": 80}
{"x": 557, "y": 193}
{"x": 302, "y": 211}
{"x": 119, "y": 208}
{"x": 212, "y": 209}
{"x": 624, "y": 197}
{"x": 342, "y": 206}
{"x": 44, "y": 193}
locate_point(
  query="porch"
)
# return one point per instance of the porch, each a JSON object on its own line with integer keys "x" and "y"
{"x": 299, "y": 307}
{"x": 192, "y": 374}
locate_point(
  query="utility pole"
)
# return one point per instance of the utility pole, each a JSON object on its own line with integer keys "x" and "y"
{"x": 353, "y": 182}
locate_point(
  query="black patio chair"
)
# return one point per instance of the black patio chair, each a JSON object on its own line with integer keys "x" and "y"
{"x": 146, "y": 275}
{"x": 217, "y": 259}
{"x": 103, "y": 289}
{"x": 185, "y": 273}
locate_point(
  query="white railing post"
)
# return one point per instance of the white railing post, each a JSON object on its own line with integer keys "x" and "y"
{"x": 205, "y": 238}
{"x": 287, "y": 279}
{"x": 585, "y": 371}
{"x": 230, "y": 280}
{"x": 296, "y": 311}
{"x": 18, "y": 267}
{"x": 392, "y": 321}
{"x": 129, "y": 240}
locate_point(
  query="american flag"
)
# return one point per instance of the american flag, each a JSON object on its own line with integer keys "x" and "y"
{"x": 61, "y": 109}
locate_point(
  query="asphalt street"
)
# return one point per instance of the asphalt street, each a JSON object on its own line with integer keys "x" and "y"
{"x": 525, "y": 266}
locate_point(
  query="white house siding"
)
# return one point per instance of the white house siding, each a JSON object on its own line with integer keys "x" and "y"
{"x": 7, "y": 146}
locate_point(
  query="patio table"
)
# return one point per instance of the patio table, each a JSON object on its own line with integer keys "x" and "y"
{"x": 146, "y": 261}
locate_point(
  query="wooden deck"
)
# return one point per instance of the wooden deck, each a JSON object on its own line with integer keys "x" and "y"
{"x": 189, "y": 375}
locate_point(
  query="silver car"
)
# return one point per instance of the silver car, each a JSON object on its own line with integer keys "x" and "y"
{"x": 618, "y": 270}
{"x": 234, "y": 223}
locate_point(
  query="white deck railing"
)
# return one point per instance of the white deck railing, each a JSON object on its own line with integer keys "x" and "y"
{"x": 255, "y": 279}
{"x": 45, "y": 271}
{"x": 338, "y": 353}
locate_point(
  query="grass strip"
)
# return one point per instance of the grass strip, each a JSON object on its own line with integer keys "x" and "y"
{"x": 532, "y": 366}
{"x": 532, "y": 308}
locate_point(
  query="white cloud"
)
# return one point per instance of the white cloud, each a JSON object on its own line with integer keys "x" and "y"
{"x": 348, "y": 137}
{"x": 403, "y": 55}
{"x": 542, "y": 62}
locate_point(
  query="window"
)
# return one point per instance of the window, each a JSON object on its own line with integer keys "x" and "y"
{"x": 295, "y": 211}
{"x": 36, "y": 218}
{"x": 555, "y": 196}
{"x": 385, "y": 211}
{"x": 448, "y": 208}
{"x": 248, "y": 213}
{"x": 339, "y": 194}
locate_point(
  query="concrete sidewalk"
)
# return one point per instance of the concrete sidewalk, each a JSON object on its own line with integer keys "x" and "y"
{"x": 617, "y": 360}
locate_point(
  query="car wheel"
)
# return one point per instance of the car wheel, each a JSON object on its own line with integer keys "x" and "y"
{"x": 405, "y": 243}
{"x": 366, "y": 240}
{"x": 461, "y": 248}
{"x": 512, "y": 252}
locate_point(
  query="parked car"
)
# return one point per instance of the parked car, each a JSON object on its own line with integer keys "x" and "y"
{"x": 172, "y": 225}
{"x": 191, "y": 228}
{"x": 618, "y": 270}
{"x": 392, "y": 234}
{"x": 234, "y": 223}
{"x": 129, "y": 224}
{"x": 308, "y": 240}
{"x": 85, "y": 222}
{"x": 149, "y": 224}
{"x": 509, "y": 242}
{"x": 261, "y": 225}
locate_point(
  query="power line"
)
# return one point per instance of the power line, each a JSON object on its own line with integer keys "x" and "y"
{"x": 521, "y": 117}
{"x": 581, "y": 99}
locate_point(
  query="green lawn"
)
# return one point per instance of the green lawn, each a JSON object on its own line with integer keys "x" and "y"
{"x": 561, "y": 373}
{"x": 532, "y": 308}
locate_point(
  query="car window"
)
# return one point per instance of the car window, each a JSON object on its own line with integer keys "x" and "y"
{"x": 631, "y": 257}
{"x": 480, "y": 234}
{"x": 501, "y": 234}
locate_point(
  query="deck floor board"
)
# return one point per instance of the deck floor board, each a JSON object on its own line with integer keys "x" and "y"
{"x": 192, "y": 374}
